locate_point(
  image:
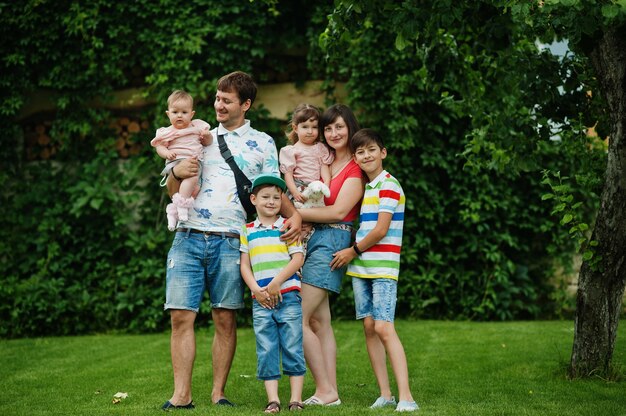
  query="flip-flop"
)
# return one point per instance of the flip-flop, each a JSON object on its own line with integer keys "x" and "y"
{"x": 224, "y": 402}
{"x": 335, "y": 403}
{"x": 316, "y": 401}
{"x": 169, "y": 406}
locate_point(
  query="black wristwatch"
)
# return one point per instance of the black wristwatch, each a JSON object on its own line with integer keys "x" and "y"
{"x": 174, "y": 175}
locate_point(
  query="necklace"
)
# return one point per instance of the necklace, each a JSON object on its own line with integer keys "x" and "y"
{"x": 334, "y": 170}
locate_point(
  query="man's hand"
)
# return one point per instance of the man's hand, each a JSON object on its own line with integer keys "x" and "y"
{"x": 306, "y": 228}
{"x": 187, "y": 168}
{"x": 291, "y": 229}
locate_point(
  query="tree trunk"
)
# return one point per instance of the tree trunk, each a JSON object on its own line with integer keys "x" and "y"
{"x": 601, "y": 286}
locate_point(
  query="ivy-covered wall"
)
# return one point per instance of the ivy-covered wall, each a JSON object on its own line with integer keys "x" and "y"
{"x": 83, "y": 238}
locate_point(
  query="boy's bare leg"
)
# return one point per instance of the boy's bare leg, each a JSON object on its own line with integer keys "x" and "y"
{"x": 271, "y": 388}
{"x": 296, "y": 383}
{"x": 387, "y": 333}
{"x": 378, "y": 358}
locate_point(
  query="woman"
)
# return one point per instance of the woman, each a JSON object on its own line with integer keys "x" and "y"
{"x": 332, "y": 231}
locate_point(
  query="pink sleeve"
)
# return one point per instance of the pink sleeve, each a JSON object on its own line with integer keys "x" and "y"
{"x": 287, "y": 159}
{"x": 200, "y": 124}
{"x": 160, "y": 138}
{"x": 326, "y": 156}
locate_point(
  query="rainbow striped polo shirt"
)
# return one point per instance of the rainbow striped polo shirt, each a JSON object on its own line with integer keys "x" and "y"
{"x": 383, "y": 194}
{"x": 268, "y": 254}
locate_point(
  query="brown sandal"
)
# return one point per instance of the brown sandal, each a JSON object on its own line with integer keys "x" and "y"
{"x": 294, "y": 406}
{"x": 272, "y": 407}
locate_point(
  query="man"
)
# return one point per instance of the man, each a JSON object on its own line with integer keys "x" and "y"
{"x": 205, "y": 250}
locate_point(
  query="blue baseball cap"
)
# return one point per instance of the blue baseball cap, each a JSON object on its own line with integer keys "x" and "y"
{"x": 269, "y": 180}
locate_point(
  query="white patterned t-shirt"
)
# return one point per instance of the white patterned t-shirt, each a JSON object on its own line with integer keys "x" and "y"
{"x": 217, "y": 206}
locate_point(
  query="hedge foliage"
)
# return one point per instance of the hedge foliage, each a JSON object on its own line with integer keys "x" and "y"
{"x": 83, "y": 242}
{"x": 83, "y": 239}
{"x": 475, "y": 116}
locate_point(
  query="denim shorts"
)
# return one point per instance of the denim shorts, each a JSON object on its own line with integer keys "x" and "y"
{"x": 279, "y": 332}
{"x": 324, "y": 242}
{"x": 198, "y": 261}
{"x": 375, "y": 298}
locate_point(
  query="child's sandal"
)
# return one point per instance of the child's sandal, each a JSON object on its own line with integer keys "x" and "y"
{"x": 295, "y": 406}
{"x": 272, "y": 407}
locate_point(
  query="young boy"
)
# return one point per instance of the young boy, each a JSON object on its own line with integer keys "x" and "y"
{"x": 269, "y": 267}
{"x": 374, "y": 263}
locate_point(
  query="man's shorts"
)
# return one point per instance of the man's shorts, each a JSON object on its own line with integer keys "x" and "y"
{"x": 197, "y": 261}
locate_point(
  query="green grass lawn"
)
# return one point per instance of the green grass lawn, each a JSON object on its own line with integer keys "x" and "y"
{"x": 456, "y": 368}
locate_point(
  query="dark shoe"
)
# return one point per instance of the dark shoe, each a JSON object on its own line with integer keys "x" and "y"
{"x": 224, "y": 402}
{"x": 167, "y": 406}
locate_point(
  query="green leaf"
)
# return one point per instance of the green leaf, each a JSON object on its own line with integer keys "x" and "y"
{"x": 401, "y": 43}
{"x": 96, "y": 203}
{"x": 567, "y": 218}
{"x": 609, "y": 11}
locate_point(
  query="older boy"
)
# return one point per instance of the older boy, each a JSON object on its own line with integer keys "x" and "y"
{"x": 269, "y": 267}
{"x": 374, "y": 265}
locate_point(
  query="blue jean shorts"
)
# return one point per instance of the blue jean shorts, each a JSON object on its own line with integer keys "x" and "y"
{"x": 279, "y": 332}
{"x": 375, "y": 298}
{"x": 199, "y": 261}
{"x": 324, "y": 242}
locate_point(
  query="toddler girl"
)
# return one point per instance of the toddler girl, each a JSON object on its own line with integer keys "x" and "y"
{"x": 185, "y": 138}
{"x": 306, "y": 159}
